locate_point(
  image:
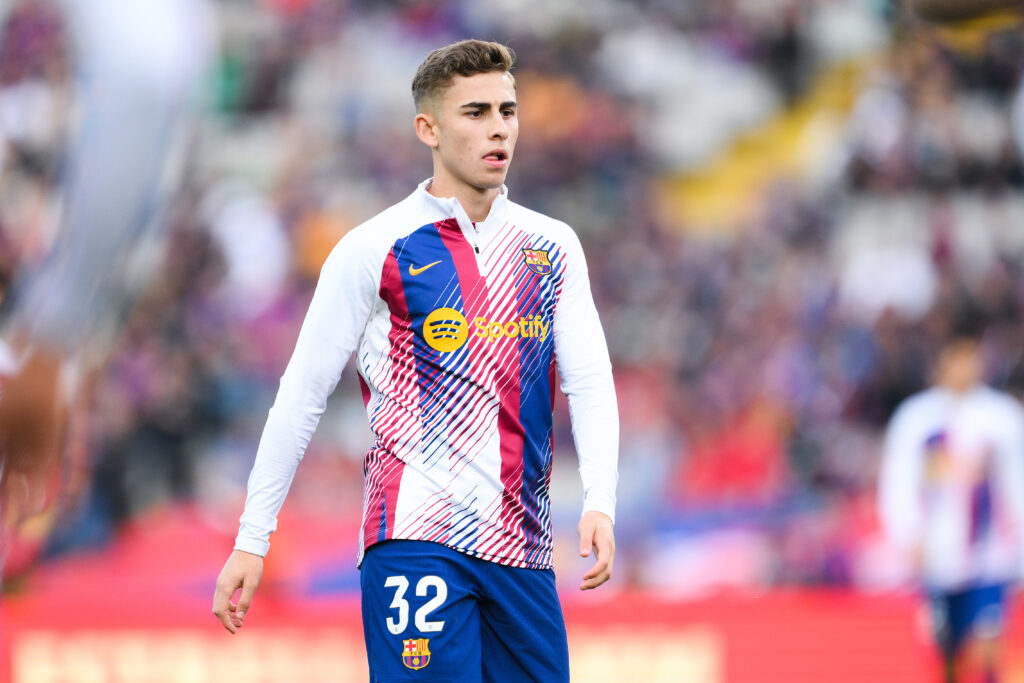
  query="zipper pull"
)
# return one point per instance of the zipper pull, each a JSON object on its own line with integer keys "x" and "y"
{"x": 476, "y": 248}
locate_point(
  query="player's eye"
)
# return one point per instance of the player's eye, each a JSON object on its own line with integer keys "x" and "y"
{"x": 508, "y": 113}
{"x": 475, "y": 114}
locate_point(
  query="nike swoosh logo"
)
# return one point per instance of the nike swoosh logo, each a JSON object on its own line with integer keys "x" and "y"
{"x": 416, "y": 271}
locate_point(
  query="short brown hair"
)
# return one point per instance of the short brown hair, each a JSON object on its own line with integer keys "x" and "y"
{"x": 464, "y": 58}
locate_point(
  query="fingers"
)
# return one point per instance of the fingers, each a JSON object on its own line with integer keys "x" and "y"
{"x": 596, "y": 534}
{"x": 223, "y": 608}
{"x": 586, "y": 538}
{"x": 602, "y": 569}
{"x": 596, "y": 575}
{"x": 241, "y": 571}
{"x": 587, "y": 529}
{"x": 245, "y": 599}
{"x": 235, "y": 616}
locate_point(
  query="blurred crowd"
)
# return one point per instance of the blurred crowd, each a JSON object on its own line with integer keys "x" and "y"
{"x": 756, "y": 363}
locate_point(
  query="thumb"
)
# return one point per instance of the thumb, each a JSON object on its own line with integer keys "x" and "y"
{"x": 586, "y": 541}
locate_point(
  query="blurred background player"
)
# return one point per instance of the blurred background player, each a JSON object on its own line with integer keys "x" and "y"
{"x": 137, "y": 66}
{"x": 952, "y": 495}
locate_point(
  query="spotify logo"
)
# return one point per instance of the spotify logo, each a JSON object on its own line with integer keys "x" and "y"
{"x": 445, "y": 329}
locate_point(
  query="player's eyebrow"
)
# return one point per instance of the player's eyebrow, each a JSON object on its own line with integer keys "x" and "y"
{"x": 485, "y": 106}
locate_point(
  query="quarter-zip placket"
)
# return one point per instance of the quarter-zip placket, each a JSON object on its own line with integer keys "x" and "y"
{"x": 469, "y": 229}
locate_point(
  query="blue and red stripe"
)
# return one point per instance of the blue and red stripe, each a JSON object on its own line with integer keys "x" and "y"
{"x": 382, "y": 469}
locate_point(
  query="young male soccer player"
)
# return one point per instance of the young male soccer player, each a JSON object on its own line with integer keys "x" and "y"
{"x": 459, "y": 305}
{"x": 952, "y": 494}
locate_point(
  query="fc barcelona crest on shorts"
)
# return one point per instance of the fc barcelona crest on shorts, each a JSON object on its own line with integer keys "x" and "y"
{"x": 415, "y": 653}
{"x": 537, "y": 260}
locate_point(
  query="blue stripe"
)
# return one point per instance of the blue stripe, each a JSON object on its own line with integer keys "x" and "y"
{"x": 383, "y": 528}
{"x": 440, "y": 375}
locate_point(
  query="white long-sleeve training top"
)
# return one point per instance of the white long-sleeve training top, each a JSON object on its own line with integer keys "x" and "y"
{"x": 457, "y": 330}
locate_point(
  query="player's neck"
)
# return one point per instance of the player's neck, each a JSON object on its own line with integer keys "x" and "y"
{"x": 476, "y": 202}
{"x": 961, "y": 387}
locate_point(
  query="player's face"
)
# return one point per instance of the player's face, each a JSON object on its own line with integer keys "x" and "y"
{"x": 476, "y": 128}
{"x": 960, "y": 366}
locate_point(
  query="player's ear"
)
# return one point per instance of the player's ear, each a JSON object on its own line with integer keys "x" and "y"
{"x": 426, "y": 128}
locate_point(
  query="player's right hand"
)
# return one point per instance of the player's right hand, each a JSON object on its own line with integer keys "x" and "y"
{"x": 242, "y": 571}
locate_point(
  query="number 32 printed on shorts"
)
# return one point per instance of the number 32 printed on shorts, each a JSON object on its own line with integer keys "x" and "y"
{"x": 416, "y": 651}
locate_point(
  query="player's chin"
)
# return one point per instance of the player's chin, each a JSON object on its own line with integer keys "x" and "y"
{"x": 494, "y": 177}
{"x": 487, "y": 184}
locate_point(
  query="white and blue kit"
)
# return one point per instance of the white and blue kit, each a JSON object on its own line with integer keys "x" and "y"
{"x": 952, "y": 491}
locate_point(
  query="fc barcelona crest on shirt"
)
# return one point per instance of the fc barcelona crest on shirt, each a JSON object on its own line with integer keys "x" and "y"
{"x": 537, "y": 260}
{"x": 415, "y": 653}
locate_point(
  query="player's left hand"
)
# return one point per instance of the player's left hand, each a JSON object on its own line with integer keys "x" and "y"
{"x": 597, "y": 535}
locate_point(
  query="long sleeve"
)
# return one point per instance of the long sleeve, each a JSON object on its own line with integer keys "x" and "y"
{"x": 581, "y": 355}
{"x": 341, "y": 305}
{"x": 900, "y": 483}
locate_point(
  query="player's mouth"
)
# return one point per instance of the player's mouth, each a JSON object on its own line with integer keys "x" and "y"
{"x": 497, "y": 158}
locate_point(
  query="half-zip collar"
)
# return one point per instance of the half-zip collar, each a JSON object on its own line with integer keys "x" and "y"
{"x": 480, "y": 233}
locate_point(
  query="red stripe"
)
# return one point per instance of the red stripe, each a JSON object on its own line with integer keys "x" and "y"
{"x": 384, "y": 472}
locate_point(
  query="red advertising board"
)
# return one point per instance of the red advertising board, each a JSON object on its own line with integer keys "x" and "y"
{"x": 788, "y": 636}
{"x": 139, "y": 611}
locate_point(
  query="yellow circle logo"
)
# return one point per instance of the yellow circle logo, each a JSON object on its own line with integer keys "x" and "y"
{"x": 445, "y": 329}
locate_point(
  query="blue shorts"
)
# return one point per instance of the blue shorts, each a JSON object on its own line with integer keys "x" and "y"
{"x": 957, "y": 615}
{"x": 431, "y": 613}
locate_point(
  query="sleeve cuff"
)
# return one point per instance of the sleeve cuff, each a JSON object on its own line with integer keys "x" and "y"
{"x": 598, "y": 501}
{"x": 252, "y": 545}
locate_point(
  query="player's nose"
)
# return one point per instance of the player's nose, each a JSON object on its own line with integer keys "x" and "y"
{"x": 499, "y": 128}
